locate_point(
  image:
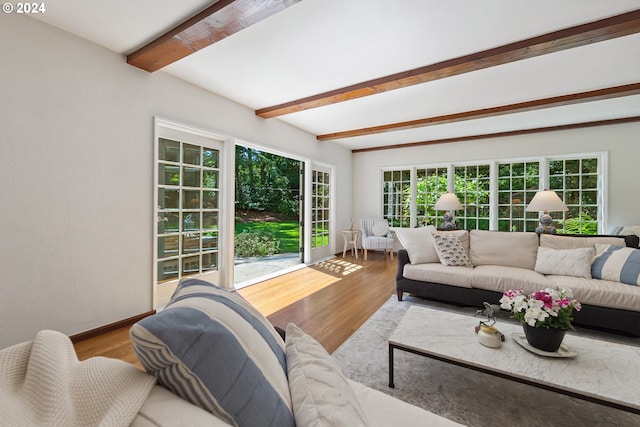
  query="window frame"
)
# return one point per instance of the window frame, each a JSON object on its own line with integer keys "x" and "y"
{"x": 465, "y": 218}
{"x": 429, "y": 210}
{"x": 526, "y": 221}
{"x": 560, "y": 218}
{"x": 543, "y": 161}
{"x": 386, "y": 204}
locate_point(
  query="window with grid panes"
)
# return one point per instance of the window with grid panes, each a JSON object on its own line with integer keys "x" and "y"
{"x": 518, "y": 182}
{"x": 188, "y": 211}
{"x": 396, "y": 197}
{"x": 472, "y": 186}
{"x": 430, "y": 183}
{"x": 576, "y": 182}
{"x": 320, "y": 209}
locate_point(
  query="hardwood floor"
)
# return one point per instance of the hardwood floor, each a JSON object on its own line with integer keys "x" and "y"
{"x": 329, "y": 301}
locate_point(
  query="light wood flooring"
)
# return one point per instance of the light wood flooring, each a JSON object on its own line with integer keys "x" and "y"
{"x": 329, "y": 301}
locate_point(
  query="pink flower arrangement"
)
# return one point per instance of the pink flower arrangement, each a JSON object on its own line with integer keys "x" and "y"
{"x": 548, "y": 308}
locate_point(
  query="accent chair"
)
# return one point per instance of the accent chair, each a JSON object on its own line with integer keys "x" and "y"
{"x": 376, "y": 236}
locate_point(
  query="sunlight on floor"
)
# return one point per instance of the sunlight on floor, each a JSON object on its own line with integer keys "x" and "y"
{"x": 340, "y": 266}
{"x": 274, "y": 294}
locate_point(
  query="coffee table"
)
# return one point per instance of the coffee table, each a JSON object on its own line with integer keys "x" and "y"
{"x": 603, "y": 372}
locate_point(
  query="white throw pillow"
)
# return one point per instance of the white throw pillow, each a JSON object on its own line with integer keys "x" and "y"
{"x": 565, "y": 262}
{"x": 419, "y": 243}
{"x": 320, "y": 394}
{"x": 380, "y": 229}
{"x": 450, "y": 250}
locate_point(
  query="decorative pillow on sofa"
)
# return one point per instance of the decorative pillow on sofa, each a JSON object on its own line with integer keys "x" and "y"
{"x": 419, "y": 243}
{"x": 450, "y": 250}
{"x": 617, "y": 264}
{"x": 320, "y": 394}
{"x": 214, "y": 349}
{"x": 565, "y": 262}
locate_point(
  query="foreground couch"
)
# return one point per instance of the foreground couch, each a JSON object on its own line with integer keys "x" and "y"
{"x": 499, "y": 261}
{"x": 211, "y": 360}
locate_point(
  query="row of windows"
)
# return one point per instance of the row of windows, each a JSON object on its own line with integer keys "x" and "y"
{"x": 495, "y": 195}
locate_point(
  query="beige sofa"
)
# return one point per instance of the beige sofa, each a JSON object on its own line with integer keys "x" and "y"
{"x": 211, "y": 360}
{"x": 499, "y": 261}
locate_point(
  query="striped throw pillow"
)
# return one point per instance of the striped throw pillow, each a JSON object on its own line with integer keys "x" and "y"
{"x": 617, "y": 264}
{"x": 214, "y": 349}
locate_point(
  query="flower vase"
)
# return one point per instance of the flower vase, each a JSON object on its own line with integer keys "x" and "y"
{"x": 545, "y": 339}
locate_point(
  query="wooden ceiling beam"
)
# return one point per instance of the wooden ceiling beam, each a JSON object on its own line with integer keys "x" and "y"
{"x": 581, "y": 35}
{"x": 216, "y": 22}
{"x": 536, "y": 104}
{"x": 556, "y": 128}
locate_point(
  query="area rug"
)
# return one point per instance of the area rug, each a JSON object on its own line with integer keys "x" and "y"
{"x": 465, "y": 396}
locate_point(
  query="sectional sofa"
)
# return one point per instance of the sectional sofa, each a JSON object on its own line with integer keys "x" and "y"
{"x": 211, "y": 359}
{"x": 602, "y": 271}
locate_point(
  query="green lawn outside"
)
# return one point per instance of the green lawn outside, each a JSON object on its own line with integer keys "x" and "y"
{"x": 288, "y": 233}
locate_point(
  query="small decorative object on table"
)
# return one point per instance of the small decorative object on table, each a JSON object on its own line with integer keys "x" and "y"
{"x": 488, "y": 335}
{"x": 545, "y": 315}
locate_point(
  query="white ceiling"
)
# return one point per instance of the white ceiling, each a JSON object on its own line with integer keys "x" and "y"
{"x": 320, "y": 45}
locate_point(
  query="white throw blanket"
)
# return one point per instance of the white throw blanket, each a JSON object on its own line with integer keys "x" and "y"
{"x": 43, "y": 383}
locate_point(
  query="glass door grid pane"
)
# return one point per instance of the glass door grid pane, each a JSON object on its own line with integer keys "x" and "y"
{"x": 188, "y": 211}
{"x": 320, "y": 205}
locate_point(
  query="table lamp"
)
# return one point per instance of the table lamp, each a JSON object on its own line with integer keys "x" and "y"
{"x": 546, "y": 201}
{"x": 448, "y": 202}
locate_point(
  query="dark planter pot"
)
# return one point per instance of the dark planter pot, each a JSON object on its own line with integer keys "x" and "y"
{"x": 545, "y": 339}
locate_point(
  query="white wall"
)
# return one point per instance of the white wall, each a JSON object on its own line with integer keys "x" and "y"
{"x": 76, "y": 176}
{"x": 620, "y": 141}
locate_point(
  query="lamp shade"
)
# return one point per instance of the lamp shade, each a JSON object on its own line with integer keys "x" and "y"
{"x": 546, "y": 201}
{"x": 448, "y": 202}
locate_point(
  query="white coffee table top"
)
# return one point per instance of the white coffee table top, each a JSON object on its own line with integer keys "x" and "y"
{"x": 602, "y": 370}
